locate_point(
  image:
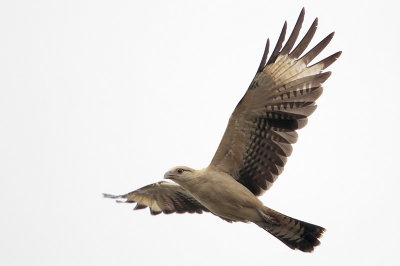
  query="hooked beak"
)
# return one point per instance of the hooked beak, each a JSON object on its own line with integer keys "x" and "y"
{"x": 168, "y": 175}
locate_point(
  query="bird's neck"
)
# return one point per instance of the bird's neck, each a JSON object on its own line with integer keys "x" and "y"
{"x": 191, "y": 184}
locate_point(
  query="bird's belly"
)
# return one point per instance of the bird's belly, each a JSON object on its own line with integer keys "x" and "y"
{"x": 234, "y": 213}
{"x": 233, "y": 202}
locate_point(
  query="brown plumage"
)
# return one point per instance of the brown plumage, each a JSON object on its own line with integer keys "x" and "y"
{"x": 255, "y": 146}
{"x": 161, "y": 197}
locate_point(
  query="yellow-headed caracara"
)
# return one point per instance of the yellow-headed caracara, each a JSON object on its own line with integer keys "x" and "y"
{"x": 254, "y": 148}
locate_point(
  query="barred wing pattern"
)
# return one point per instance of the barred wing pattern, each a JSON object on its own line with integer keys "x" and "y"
{"x": 262, "y": 128}
{"x": 163, "y": 197}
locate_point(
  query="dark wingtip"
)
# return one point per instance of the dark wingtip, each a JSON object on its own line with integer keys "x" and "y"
{"x": 330, "y": 59}
{"x": 293, "y": 36}
{"x": 322, "y": 77}
{"x": 316, "y": 50}
{"x": 264, "y": 58}
{"x": 155, "y": 212}
{"x": 301, "y": 47}
{"x": 139, "y": 206}
{"x": 278, "y": 45}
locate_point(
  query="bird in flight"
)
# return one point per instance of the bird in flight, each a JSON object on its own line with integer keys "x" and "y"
{"x": 254, "y": 148}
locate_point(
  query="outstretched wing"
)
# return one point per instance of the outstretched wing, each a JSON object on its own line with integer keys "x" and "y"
{"x": 262, "y": 128}
{"x": 162, "y": 197}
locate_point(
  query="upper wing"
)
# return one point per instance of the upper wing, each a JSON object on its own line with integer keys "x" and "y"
{"x": 258, "y": 139}
{"x": 162, "y": 197}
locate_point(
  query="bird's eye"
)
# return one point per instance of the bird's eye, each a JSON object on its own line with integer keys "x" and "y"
{"x": 180, "y": 171}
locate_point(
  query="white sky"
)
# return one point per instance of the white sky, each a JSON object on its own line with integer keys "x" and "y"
{"x": 105, "y": 96}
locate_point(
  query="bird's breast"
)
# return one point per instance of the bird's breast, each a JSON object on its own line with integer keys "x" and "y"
{"x": 226, "y": 197}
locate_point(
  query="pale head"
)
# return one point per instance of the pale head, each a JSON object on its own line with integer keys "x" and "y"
{"x": 180, "y": 174}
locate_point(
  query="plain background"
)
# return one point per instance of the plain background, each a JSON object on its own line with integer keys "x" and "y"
{"x": 105, "y": 96}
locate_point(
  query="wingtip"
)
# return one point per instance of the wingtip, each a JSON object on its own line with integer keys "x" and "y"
{"x": 153, "y": 212}
{"x": 139, "y": 206}
{"x": 324, "y": 76}
{"x": 330, "y": 36}
{"x": 110, "y": 196}
{"x": 315, "y": 22}
{"x": 301, "y": 16}
{"x": 264, "y": 58}
{"x": 118, "y": 198}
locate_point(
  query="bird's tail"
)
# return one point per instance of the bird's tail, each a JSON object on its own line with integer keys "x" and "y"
{"x": 294, "y": 233}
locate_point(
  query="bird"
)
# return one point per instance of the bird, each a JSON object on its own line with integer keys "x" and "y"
{"x": 255, "y": 146}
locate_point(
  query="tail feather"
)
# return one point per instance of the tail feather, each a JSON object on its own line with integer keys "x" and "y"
{"x": 294, "y": 233}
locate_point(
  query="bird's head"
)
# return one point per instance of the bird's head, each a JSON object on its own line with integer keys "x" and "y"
{"x": 180, "y": 174}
